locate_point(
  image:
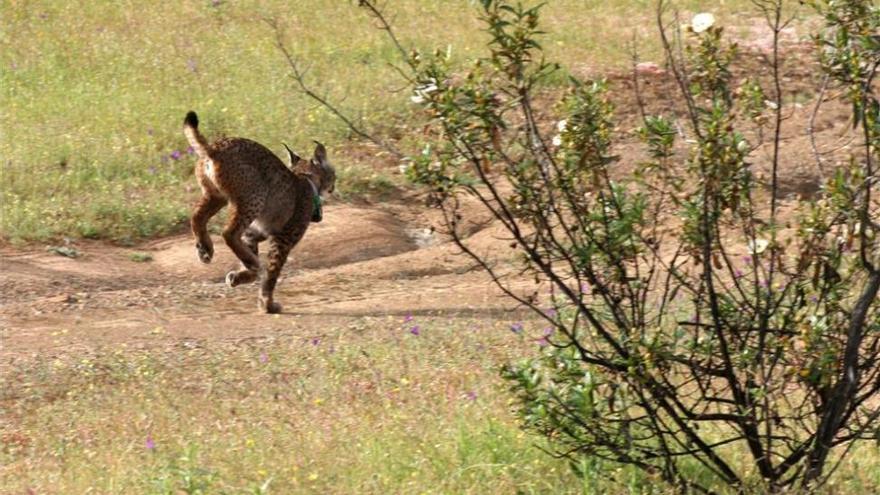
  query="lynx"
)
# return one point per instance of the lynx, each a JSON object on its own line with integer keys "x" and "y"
{"x": 268, "y": 201}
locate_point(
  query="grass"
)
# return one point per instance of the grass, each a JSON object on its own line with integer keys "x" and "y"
{"x": 369, "y": 408}
{"x": 140, "y": 257}
{"x": 365, "y": 408}
{"x": 93, "y": 94}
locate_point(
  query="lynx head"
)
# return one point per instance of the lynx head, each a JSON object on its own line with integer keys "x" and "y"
{"x": 318, "y": 168}
{"x": 325, "y": 172}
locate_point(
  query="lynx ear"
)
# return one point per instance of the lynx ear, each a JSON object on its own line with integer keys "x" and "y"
{"x": 320, "y": 153}
{"x": 294, "y": 158}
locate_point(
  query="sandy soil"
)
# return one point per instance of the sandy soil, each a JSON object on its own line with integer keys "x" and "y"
{"x": 361, "y": 261}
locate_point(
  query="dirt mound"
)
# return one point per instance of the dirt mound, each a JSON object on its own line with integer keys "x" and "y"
{"x": 350, "y": 234}
{"x": 361, "y": 261}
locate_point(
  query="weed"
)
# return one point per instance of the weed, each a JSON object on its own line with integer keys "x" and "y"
{"x": 140, "y": 257}
{"x": 66, "y": 251}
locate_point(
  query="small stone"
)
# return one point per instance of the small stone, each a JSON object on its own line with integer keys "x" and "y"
{"x": 649, "y": 69}
{"x": 63, "y": 299}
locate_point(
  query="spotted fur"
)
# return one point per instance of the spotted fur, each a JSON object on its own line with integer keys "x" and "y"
{"x": 267, "y": 200}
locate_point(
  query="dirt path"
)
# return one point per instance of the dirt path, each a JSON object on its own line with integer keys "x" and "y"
{"x": 361, "y": 261}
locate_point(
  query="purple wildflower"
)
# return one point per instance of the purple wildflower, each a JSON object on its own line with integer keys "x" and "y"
{"x": 175, "y": 155}
{"x": 517, "y": 327}
{"x": 150, "y": 444}
{"x": 747, "y": 260}
{"x": 264, "y": 358}
{"x": 408, "y": 318}
{"x": 471, "y": 395}
{"x": 551, "y": 313}
{"x": 316, "y": 341}
{"x": 738, "y": 273}
{"x": 190, "y": 150}
{"x": 415, "y": 330}
{"x": 548, "y": 331}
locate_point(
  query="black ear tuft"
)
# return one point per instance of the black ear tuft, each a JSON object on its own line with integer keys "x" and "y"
{"x": 320, "y": 152}
{"x": 191, "y": 120}
{"x": 294, "y": 158}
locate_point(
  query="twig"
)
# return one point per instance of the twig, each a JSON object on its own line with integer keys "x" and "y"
{"x": 298, "y": 75}
{"x": 376, "y": 13}
{"x": 811, "y": 129}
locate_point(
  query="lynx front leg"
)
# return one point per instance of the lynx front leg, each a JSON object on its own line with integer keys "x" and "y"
{"x": 279, "y": 248}
{"x": 239, "y": 219}
{"x": 207, "y": 207}
{"x": 277, "y": 256}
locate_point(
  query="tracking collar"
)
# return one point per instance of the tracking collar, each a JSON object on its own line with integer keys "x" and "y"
{"x": 317, "y": 202}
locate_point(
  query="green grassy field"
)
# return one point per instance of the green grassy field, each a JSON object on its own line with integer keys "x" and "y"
{"x": 369, "y": 408}
{"x": 92, "y": 93}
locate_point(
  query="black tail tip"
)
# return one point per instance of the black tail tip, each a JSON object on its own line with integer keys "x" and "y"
{"x": 191, "y": 119}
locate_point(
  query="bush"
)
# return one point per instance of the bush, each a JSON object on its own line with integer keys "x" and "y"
{"x": 670, "y": 351}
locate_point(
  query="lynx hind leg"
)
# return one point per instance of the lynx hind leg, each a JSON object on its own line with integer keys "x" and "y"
{"x": 252, "y": 238}
{"x": 207, "y": 207}
{"x": 240, "y": 219}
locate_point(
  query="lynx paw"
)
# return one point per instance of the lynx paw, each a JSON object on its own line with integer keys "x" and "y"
{"x": 206, "y": 252}
{"x": 270, "y": 307}
{"x": 240, "y": 277}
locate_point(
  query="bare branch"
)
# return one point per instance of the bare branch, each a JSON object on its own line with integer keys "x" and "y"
{"x": 298, "y": 74}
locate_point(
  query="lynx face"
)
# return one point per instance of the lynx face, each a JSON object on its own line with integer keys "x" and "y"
{"x": 318, "y": 168}
{"x": 327, "y": 174}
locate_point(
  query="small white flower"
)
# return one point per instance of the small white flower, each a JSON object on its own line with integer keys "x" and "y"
{"x": 758, "y": 246}
{"x": 420, "y": 94}
{"x": 560, "y": 126}
{"x": 702, "y": 22}
{"x": 742, "y": 146}
{"x": 427, "y": 88}
{"x": 771, "y": 104}
{"x": 403, "y": 167}
{"x": 557, "y": 140}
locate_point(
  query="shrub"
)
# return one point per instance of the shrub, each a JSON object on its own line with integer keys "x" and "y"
{"x": 725, "y": 335}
